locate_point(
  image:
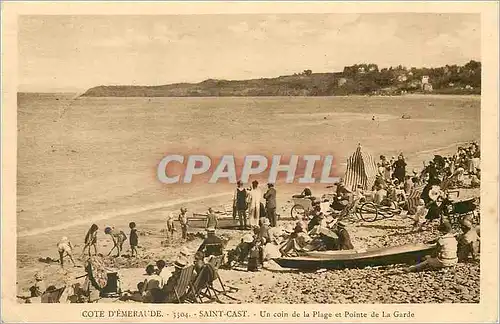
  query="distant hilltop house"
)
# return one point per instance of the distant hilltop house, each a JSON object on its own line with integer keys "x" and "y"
{"x": 402, "y": 78}
{"x": 415, "y": 84}
{"x": 426, "y": 86}
{"x": 341, "y": 81}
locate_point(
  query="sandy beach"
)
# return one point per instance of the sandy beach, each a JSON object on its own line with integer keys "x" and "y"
{"x": 368, "y": 285}
{"x": 99, "y": 173}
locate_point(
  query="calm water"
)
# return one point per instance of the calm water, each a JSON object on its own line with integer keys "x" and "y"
{"x": 79, "y": 157}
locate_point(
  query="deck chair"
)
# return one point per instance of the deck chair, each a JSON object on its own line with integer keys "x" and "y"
{"x": 216, "y": 262}
{"x": 200, "y": 287}
{"x": 52, "y": 296}
{"x": 181, "y": 288}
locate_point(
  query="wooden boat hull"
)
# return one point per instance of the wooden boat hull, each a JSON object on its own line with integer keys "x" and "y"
{"x": 409, "y": 254}
{"x": 224, "y": 222}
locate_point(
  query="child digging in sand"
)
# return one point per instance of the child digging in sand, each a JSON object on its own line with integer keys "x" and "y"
{"x": 133, "y": 239}
{"x": 65, "y": 248}
{"x": 91, "y": 239}
{"x": 118, "y": 238}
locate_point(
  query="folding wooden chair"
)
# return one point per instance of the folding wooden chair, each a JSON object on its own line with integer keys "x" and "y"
{"x": 200, "y": 287}
{"x": 215, "y": 262}
{"x": 52, "y": 296}
{"x": 181, "y": 289}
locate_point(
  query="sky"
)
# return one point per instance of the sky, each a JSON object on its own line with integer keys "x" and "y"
{"x": 74, "y": 53}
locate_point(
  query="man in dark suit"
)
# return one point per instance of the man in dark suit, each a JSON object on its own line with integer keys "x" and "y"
{"x": 212, "y": 245}
{"x": 270, "y": 197}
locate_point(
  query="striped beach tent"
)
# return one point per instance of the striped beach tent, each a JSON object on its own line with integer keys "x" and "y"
{"x": 413, "y": 198}
{"x": 361, "y": 169}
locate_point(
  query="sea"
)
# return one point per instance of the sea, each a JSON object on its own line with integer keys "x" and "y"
{"x": 78, "y": 157}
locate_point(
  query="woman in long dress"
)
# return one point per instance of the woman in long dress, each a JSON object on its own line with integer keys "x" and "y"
{"x": 254, "y": 199}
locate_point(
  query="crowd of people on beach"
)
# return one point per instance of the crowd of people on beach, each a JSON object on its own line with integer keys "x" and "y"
{"x": 265, "y": 239}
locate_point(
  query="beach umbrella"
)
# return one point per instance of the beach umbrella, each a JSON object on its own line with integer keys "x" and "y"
{"x": 361, "y": 169}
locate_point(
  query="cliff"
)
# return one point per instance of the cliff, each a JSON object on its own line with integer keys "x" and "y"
{"x": 364, "y": 79}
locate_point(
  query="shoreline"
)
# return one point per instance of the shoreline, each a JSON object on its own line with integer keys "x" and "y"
{"x": 408, "y": 95}
{"x": 159, "y": 206}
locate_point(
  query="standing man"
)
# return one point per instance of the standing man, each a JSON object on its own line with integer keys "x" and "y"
{"x": 183, "y": 220}
{"x": 240, "y": 204}
{"x": 270, "y": 197}
{"x": 254, "y": 198}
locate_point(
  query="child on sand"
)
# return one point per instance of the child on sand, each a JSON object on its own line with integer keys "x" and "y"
{"x": 118, "y": 238}
{"x": 163, "y": 271}
{"x": 133, "y": 239}
{"x": 65, "y": 248}
{"x": 184, "y": 222}
{"x": 170, "y": 227}
{"x": 446, "y": 252}
{"x": 419, "y": 218}
{"x": 468, "y": 242}
{"x": 91, "y": 239}
{"x": 212, "y": 220}
{"x": 39, "y": 287}
{"x": 153, "y": 285}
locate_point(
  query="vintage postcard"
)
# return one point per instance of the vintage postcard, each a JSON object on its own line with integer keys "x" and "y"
{"x": 250, "y": 162}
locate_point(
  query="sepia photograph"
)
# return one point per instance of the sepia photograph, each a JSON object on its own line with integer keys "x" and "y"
{"x": 250, "y": 158}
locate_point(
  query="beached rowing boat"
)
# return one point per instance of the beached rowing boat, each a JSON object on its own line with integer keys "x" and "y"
{"x": 410, "y": 253}
{"x": 225, "y": 222}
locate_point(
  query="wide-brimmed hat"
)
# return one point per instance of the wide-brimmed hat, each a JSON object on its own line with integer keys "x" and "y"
{"x": 248, "y": 238}
{"x": 181, "y": 263}
{"x": 185, "y": 252}
{"x": 266, "y": 221}
{"x": 38, "y": 276}
{"x": 107, "y": 230}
